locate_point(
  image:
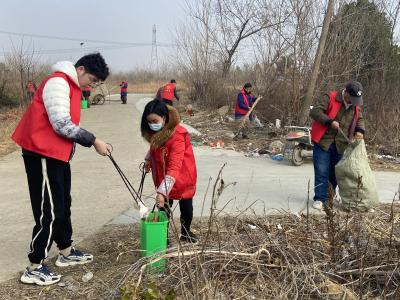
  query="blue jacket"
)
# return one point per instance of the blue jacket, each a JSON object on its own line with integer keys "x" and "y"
{"x": 124, "y": 89}
{"x": 241, "y": 103}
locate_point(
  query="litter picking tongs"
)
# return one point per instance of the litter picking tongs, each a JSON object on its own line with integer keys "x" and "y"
{"x": 136, "y": 195}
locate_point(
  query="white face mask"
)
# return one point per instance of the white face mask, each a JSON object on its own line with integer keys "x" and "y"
{"x": 155, "y": 126}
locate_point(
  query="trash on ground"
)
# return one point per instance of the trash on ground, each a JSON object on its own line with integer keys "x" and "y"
{"x": 87, "y": 277}
{"x": 277, "y": 157}
{"x": 217, "y": 144}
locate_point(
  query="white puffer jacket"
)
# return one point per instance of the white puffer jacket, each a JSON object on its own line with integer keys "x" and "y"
{"x": 57, "y": 103}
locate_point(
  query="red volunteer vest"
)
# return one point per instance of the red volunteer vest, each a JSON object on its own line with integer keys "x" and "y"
{"x": 317, "y": 129}
{"x": 167, "y": 91}
{"x": 238, "y": 109}
{"x": 35, "y": 133}
{"x": 124, "y": 88}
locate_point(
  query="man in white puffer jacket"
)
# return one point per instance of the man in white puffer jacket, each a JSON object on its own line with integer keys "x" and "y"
{"x": 47, "y": 134}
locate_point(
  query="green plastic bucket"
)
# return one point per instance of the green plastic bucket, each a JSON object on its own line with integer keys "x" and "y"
{"x": 153, "y": 238}
{"x": 84, "y": 104}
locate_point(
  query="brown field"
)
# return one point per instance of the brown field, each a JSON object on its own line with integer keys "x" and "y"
{"x": 8, "y": 121}
{"x": 142, "y": 87}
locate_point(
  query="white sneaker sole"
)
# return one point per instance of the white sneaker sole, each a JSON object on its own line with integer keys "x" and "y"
{"x": 72, "y": 263}
{"x": 34, "y": 280}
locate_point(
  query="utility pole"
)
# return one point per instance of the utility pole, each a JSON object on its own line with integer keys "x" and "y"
{"x": 317, "y": 63}
{"x": 154, "y": 55}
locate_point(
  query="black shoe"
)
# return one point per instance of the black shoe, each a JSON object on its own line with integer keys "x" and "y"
{"x": 189, "y": 237}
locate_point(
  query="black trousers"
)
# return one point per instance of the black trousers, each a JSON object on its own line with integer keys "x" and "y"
{"x": 86, "y": 95}
{"x": 186, "y": 208}
{"x": 49, "y": 182}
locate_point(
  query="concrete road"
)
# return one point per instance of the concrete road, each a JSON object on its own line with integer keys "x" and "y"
{"x": 99, "y": 196}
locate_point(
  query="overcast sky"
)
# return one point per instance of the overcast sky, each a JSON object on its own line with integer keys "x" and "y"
{"x": 125, "y": 21}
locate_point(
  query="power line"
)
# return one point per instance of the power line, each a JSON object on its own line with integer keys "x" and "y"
{"x": 53, "y": 37}
{"x": 71, "y": 50}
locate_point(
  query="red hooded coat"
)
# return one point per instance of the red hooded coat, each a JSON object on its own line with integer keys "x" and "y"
{"x": 171, "y": 153}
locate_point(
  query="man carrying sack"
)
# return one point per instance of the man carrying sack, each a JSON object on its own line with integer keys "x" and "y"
{"x": 337, "y": 119}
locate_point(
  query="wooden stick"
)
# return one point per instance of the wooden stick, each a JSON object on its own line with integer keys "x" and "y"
{"x": 368, "y": 269}
{"x": 247, "y": 116}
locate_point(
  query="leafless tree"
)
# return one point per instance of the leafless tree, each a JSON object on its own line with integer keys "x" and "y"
{"x": 229, "y": 23}
{"x": 4, "y": 81}
{"x": 23, "y": 64}
{"x": 317, "y": 63}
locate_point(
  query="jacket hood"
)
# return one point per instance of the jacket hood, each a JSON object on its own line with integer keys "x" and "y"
{"x": 158, "y": 139}
{"x": 68, "y": 68}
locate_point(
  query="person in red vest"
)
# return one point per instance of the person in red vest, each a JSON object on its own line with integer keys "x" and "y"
{"x": 47, "y": 134}
{"x": 30, "y": 89}
{"x": 167, "y": 93}
{"x": 244, "y": 101}
{"x": 171, "y": 160}
{"x": 337, "y": 109}
{"x": 124, "y": 91}
{"x": 86, "y": 93}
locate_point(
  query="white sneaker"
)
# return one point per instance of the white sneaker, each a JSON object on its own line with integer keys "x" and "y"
{"x": 317, "y": 205}
{"x": 76, "y": 257}
{"x": 40, "y": 276}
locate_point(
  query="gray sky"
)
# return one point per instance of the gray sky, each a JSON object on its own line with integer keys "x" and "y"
{"x": 126, "y": 21}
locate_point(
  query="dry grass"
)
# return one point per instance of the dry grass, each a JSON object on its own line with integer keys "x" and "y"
{"x": 334, "y": 255}
{"x": 288, "y": 256}
{"x": 150, "y": 87}
{"x": 298, "y": 261}
{"x": 8, "y": 121}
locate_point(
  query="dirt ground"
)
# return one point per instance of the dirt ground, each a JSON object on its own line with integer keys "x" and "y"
{"x": 113, "y": 248}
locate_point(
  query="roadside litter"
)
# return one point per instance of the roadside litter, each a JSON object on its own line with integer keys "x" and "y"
{"x": 217, "y": 144}
{"x": 277, "y": 157}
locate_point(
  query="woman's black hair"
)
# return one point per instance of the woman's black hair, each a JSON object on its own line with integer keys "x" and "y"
{"x": 153, "y": 107}
{"x": 247, "y": 85}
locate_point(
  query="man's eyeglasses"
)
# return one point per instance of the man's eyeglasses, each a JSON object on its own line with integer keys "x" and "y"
{"x": 93, "y": 79}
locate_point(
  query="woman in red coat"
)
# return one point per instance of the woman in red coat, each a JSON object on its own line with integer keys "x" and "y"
{"x": 171, "y": 161}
